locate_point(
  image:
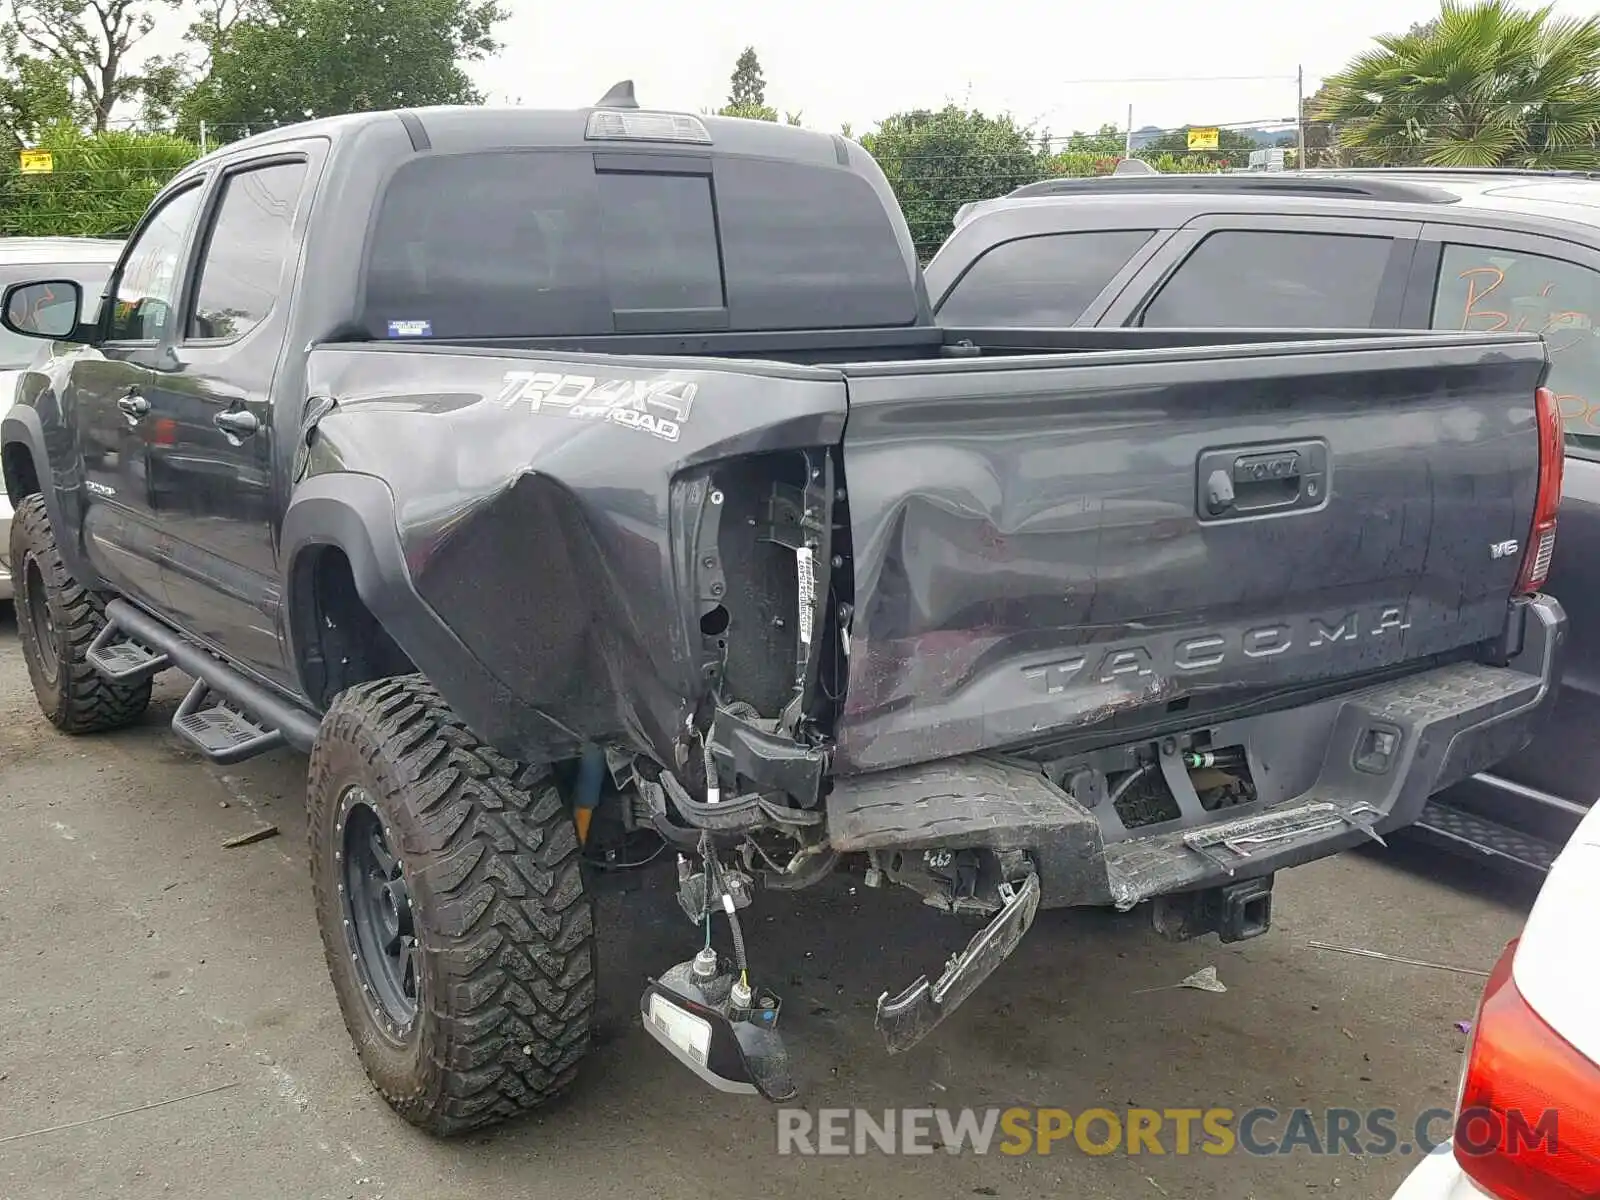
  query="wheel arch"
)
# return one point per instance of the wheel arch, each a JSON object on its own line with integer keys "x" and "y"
{"x": 337, "y": 556}
{"x": 25, "y": 466}
{"x": 340, "y": 529}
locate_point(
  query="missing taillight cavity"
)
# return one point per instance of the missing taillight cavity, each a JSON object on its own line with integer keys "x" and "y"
{"x": 1552, "y": 461}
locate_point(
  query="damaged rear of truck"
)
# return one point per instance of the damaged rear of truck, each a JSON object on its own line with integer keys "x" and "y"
{"x": 622, "y": 487}
{"x": 1073, "y": 629}
{"x": 1010, "y": 629}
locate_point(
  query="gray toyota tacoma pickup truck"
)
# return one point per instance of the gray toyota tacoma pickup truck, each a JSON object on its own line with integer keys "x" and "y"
{"x": 564, "y": 481}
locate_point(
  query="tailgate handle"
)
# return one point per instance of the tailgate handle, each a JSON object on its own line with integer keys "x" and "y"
{"x": 1234, "y": 484}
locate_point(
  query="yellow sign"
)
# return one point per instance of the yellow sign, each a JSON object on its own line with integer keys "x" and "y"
{"x": 37, "y": 162}
{"x": 1202, "y": 139}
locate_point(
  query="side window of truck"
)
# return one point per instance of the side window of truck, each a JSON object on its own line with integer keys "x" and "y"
{"x": 1040, "y": 281}
{"x": 147, "y": 286}
{"x": 1268, "y": 279}
{"x": 1493, "y": 289}
{"x": 246, "y": 250}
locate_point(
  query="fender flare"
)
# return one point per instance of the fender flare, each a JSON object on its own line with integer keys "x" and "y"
{"x": 355, "y": 514}
{"x": 22, "y": 427}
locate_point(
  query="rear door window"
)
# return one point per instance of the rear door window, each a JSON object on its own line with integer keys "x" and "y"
{"x": 1494, "y": 290}
{"x": 1269, "y": 279}
{"x": 1042, "y": 281}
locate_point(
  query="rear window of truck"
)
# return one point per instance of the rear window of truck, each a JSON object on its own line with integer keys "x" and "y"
{"x": 519, "y": 244}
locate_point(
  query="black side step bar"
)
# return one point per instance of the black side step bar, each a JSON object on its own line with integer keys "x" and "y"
{"x": 226, "y": 716}
{"x": 123, "y": 659}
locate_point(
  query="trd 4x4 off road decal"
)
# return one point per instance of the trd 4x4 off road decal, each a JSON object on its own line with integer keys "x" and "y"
{"x": 660, "y": 407}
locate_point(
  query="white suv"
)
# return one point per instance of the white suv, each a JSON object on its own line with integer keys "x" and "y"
{"x": 1528, "y": 1117}
{"x": 89, "y": 261}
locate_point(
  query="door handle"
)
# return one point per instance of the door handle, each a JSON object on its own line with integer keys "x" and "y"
{"x": 133, "y": 405}
{"x": 1249, "y": 481}
{"x": 237, "y": 422}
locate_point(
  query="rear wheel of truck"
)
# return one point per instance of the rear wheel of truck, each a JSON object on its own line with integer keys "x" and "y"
{"x": 452, "y": 909}
{"x": 57, "y": 620}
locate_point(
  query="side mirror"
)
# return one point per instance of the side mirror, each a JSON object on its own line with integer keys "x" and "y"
{"x": 48, "y": 310}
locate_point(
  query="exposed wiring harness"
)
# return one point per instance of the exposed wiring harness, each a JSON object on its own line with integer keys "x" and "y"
{"x": 714, "y": 883}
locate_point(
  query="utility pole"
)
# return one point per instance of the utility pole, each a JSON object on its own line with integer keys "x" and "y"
{"x": 1300, "y": 115}
{"x": 1127, "y": 142}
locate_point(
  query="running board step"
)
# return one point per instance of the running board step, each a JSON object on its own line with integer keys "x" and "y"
{"x": 1497, "y": 845}
{"x": 123, "y": 659}
{"x": 219, "y": 729}
{"x": 226, "y": 716}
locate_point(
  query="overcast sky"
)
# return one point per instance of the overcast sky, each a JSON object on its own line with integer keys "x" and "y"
{"x": 1043, "y": 61}
{"x": 835, "y": 61}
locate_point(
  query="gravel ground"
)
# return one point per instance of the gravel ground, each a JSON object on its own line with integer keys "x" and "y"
{"x": 143, "y": 962}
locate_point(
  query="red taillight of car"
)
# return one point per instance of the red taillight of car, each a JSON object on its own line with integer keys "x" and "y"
{"x": 1528, "y": 1125}
{"x": 1552, "y": 461}
{"x": 165, "y": 433}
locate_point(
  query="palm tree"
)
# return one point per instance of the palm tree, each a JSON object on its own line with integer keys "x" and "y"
{"x": 1484, "y": 85}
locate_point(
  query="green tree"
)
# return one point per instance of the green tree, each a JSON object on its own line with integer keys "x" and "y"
{"x": 34, "y": 92}
{"x": 283, "y": 61}
{"x": 938, "y": 161}
{"x": 1081, "y": 163}
{"x": 1108, "y": 139}
{"x": 1322, "y": 143}
{"x": 100, "y": 185}
{"x": 757, "y": 112}
{"x": 91, "y": 42}
{"x": 749, "y": 88}
{"x": 747, "y": 97}
{"x": 1233, "y": 149}
{"x": 1484, "y": 85}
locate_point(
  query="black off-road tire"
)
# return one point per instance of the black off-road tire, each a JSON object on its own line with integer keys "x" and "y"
{"x": 57, "y": 619}
{"x": 504, "y": 932}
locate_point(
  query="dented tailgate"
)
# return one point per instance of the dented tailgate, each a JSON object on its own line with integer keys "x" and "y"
{"x": 1057, "y": 546}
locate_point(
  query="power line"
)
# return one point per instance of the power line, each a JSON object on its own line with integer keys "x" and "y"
{"x": 1175, "y": 79}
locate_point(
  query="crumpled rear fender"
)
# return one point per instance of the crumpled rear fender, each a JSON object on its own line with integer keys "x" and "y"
{"x": 531, "y": 543}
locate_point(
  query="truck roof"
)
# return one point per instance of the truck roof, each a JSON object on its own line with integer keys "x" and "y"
{"x": 457, "y": 128}
{"x": 459, "y": 222}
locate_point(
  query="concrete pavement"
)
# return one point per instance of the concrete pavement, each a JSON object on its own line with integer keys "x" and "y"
{"x": 142, "y": 962}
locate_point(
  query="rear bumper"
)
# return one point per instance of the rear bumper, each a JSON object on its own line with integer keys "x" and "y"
{"x": 1319, "y": 791}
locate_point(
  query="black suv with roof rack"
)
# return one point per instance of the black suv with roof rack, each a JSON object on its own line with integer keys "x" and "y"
{"x": 1414, "y": 248}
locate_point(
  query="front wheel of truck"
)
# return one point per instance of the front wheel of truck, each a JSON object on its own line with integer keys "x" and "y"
{"x": 452, "y": 909}
{"x": 57, "y": 620}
